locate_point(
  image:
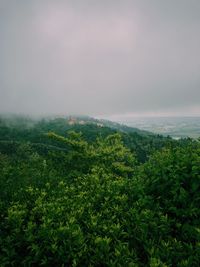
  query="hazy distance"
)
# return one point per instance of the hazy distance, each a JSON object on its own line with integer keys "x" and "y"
{"x": 100, "y": 58}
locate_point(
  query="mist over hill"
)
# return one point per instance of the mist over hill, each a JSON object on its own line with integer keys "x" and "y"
{"x": 119, "y": 186}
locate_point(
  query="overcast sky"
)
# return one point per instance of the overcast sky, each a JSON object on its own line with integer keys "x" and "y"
{"x": 103, "y": 57}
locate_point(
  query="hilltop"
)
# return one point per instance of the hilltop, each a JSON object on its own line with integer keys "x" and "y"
{"x": 17, "y": 129}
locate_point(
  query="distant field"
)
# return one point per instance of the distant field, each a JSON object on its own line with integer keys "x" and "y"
{"x": 176, "y": 127}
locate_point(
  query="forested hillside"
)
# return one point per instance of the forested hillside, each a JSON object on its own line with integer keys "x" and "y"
{"x": 83, "y": 192}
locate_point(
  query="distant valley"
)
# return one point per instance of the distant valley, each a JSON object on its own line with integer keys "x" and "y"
{"x": 176, "y": 127}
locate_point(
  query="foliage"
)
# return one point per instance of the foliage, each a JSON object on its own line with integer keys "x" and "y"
{"x": 78, "y": 201}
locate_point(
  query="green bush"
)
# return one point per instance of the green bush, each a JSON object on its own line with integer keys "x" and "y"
{"x": 93, "y": 205}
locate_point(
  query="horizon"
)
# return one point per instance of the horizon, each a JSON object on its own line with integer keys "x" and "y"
{"x": 176, "y": 127}
{"x": 98, "y": 117}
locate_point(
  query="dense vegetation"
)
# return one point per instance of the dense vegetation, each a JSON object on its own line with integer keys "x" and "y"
{"x": 90, "y": 195}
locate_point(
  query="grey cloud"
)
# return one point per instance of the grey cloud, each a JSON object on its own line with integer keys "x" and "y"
{"x": 99, "y": 57}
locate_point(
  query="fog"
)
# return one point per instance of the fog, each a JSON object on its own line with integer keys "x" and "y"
{"x": 100, "y": 58}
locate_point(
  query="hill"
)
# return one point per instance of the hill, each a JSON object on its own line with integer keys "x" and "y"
{"x": 16, "y": 129}
{"x": 84, "y": 192}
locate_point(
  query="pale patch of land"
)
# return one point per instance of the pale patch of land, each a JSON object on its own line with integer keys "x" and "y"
{"x": 176, "y": 127}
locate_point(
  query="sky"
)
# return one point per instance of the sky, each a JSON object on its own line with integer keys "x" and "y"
{"x": 100, "y": 58}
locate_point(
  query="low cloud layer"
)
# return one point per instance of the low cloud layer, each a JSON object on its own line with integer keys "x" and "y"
{"x": 100, "y": 57}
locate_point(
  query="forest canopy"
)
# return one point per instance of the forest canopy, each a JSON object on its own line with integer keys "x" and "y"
{"x": 91, "y": 194}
